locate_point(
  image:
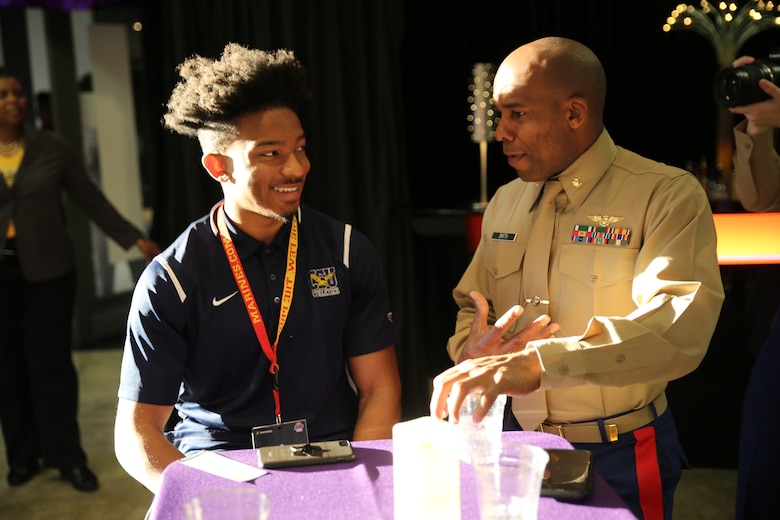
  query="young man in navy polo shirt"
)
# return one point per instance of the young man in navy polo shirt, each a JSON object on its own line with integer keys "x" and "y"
{"x": 263, "y": 312}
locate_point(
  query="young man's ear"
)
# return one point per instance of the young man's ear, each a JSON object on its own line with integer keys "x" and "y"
{"x": 216, "y": 165}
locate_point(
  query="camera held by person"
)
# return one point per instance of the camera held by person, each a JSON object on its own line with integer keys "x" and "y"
{"x": 738, "y": 86}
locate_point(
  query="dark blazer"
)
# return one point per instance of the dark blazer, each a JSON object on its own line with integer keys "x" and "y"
{"x": 49, "y": 169}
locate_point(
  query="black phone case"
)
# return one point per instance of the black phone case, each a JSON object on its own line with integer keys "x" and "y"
{"x": 285, "y": 456}
{"x": 569, "y": 474}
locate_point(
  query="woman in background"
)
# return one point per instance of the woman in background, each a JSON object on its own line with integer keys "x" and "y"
{"x": 38, "y": 381}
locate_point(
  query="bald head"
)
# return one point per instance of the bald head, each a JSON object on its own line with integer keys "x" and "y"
{"x": 550, "y": 94}
{"x": 564, "y": 67}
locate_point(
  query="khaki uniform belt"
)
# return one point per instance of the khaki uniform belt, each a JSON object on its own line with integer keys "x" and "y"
{"x": 614, "y": 426}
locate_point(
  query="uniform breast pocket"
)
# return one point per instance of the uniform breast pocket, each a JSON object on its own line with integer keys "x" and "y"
{"x": 599, "y": 277}
{"x": 502, "y": 261}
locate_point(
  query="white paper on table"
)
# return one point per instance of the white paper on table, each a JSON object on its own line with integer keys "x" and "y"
{"x": 222, "y": 466}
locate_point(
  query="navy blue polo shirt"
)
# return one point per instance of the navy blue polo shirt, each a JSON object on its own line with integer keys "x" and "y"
{"x": 190, "y": 342}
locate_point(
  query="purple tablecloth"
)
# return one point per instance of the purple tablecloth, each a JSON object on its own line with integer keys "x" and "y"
{"x": 363, "y": 489}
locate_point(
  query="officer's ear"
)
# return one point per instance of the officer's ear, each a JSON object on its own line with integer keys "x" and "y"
{"x": 576, "y": 111}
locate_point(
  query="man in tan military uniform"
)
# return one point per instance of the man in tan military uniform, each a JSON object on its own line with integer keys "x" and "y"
{"x": 634, "y": 289}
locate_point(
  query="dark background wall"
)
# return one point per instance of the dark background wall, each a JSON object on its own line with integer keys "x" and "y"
{"x": 659, "y": 84}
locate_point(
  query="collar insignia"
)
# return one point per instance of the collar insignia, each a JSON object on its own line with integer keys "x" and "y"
{"x": 576, "y": 182}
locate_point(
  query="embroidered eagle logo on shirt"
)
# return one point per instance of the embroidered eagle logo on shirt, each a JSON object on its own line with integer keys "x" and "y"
{"x": 323, "y": 282}
{"x": 602, "y": 233}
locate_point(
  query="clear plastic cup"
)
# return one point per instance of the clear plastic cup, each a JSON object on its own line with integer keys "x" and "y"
{"x": 509, "y": 488}
{"x": 479, "y": 442}
{"x": 238, "y": 503}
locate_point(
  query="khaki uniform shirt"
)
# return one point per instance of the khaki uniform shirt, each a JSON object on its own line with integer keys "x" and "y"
{"x": 757, "y": 170}
{"x": 632, "y": 316}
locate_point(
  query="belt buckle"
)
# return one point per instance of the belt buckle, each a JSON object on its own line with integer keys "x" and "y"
{"x": 612, "y": 432}
{"x": 558, "y": 427}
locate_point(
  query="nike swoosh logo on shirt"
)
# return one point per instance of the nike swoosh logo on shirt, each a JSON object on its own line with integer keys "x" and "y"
{"x": 217, "y": 303}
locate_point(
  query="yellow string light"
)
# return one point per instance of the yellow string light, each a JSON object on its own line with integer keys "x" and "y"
{"x": 482, "y": 117}
{"x": 726, "y": 27}
{"x": 482, "y": 120}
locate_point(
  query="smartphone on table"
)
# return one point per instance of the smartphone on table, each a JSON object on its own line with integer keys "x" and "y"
{"x": 309, "y": 454}
{"x": 569, "y": 474}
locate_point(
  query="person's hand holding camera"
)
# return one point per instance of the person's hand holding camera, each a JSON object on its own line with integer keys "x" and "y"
{"x": 763, "y": 115}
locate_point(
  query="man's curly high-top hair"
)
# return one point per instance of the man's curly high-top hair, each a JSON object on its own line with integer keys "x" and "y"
{"x": 213, "y": 94}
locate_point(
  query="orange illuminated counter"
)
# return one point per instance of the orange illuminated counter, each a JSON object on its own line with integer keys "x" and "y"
{"x": 748, "y": 238}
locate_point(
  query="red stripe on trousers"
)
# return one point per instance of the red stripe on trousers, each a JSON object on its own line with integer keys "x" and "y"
{"x": 648, "y": 474}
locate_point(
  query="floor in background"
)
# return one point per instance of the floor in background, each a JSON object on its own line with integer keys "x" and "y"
{"x": 704, "y": 493}
{"x": 47, "y": 496}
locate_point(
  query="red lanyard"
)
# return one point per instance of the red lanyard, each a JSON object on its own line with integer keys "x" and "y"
{"x": 249, "y": 298}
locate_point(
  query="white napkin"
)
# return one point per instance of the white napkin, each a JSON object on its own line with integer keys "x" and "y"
{"x": 216, "y": 464}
